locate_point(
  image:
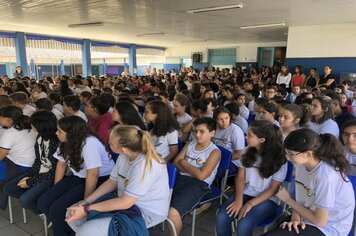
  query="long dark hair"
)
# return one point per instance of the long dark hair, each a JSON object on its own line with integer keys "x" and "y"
{"x": 271, "y": 152}
{"x": 129, "y": 115}
{"x": 77, "y": 132}
{"x": 325, "y": 147}
{"x": 165, "y": 122}
{"x": 20, "y": 121}
{"x": 45, "y": 123}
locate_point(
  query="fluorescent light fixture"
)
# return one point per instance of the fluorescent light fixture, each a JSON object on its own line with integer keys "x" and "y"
{"x": 220, "y": 8}
{"x": 150, "y": 35}
{"x": 263, "y": 25}
{"x": 89, "y": 24}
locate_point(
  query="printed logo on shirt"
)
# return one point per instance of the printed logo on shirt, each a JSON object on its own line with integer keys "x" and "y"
{"x": 308, "y": 191}
{"x": 223, "y": 140}
{"x": 197, "y": 160}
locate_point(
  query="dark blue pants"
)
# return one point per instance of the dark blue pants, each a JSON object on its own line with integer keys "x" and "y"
{"x": 27, "y": 196}
{"x": 11, "y": 171}
{"x": 54, "y": 202}
{"x": 246, "y": 225}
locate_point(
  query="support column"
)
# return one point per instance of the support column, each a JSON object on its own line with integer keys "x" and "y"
{"x": 20, "y": 47}
{"x": 105, "y": 67}
{"x": 33, "y": 69}
{"x": 61, "y": 68}
{"x": 86, "y": 58}
{"x": 132, "y": 60}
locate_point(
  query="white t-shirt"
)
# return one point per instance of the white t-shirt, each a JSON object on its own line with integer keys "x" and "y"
{"x": 57, "y": 113}
{"x": 59, "y": 107}
{"x": 242, "y": 123}
{"x": 352, "y": 160}
{"x": 255, "y": 184}
{"x": 281, "y": 79}
{"x": 42, "y": 95}
{"x": 28, "y": 110}
{"x": 80, "y": 114}
{"x": 21, "y": 146}
{"x": 182, "y": 120}
{"x": 323, "y": 187}
{"x": 163, "y": 143}
{"x": 94, "y": 155}
{"x": 199, "y": 158}
{"x": 231, "y": 138}
{"x": 327, "y": 127}
{"x": 244, "y": 112}
{"x": 152, "y": 189}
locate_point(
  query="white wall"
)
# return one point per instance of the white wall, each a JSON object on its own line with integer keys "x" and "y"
{"x": 245, "y": 52}
{"x": 336, "y": 40}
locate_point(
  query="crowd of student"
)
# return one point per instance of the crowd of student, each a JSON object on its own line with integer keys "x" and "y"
{"x": 90, "y": 153}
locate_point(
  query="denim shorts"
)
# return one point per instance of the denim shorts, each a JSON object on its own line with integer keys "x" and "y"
{"x": 187, "y": 193}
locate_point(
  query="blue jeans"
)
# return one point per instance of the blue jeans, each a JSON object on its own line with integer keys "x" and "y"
{"x": 246, "y": 225}
{"x": 27, "y": 196}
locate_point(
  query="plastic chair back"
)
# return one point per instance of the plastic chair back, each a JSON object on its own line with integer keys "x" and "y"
{"x": 289, "y": 172}
{"x": 172, "y": 174}
{"x": 180, "y": 145}
{"x": 225, "y": 161}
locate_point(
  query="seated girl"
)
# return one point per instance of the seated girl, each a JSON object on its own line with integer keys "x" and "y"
{"x": 125, "y": 113}
{"x": 269, "y": 112}
{"x": 17, "y": 142}
{"x": 325, "y": 199}
{"x": 348, "y": 134}
{"x": 100, "y": 119}
{"x": 89, "y": 162}
{"x": 292, "y": 117}
{"x": 180, "y": 107}
{"x": 229, "y": 136}
{"x": 322, "y": 120}
{"x": 28, "y": 187}
{"x": 163, "y": 127}
{"x": 263, "y": 168}
{"x": 197, "y": 164}
{"x": 140, "y": 178}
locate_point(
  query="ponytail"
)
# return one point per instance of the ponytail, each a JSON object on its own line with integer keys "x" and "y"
{"x": 136, "y": 140}
{"x": 332, "y": 152}
{"x": 149, "y": 150}
{"x": 23, "y": 123}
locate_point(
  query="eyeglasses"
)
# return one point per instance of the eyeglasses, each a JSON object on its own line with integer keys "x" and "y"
{"x": 197, "y": 160}
{"x": 292, "y": 155}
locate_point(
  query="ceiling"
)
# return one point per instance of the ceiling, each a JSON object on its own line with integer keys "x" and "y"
{"x": 125, "y": 20}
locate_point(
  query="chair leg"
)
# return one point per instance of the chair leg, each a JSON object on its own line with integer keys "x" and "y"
{"x": 45, "y": 225}
{"x": 193, "y": 222}
{"x": 173, "y": 227}
{"x": 10, "y": 210}
{"x": 163, "y": 226}
{"x": 24, "y": 216}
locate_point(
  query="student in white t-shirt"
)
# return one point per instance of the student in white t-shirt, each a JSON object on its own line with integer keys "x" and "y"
{"x": 71, "y": 107}
{"x": 291, "y": 117}
{"x": 20, "y": 99}
{"x": 322, "y": 120}
{"x": 16, "y": 146}
{"x": 325, "y": 198}
{"x": 263, "y": 169}
{"x": 90, "y": 163}
{"x": 180, "y": 107}
{"x": 229, "y": 136}
{"x": 348, "y": 135}
{"x": 197, "y": 164}
{"x": 240, "y": 100}
{"x": 163, "y": 127}
{"x": 236, "y": 118}
{"x": 140, "y": 178}
{"x": 269, "y": 112}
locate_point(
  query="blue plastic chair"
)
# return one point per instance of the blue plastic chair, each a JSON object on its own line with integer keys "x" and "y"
{"x": 281, "y": 208}
{"x": 172, "y": 176}
{"x": 180, "y": 145}
{"x": 353, "y": 182}
{"x": 216, "y": 193}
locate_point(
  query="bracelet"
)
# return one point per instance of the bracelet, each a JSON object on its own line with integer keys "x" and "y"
{"x": 250, "y": 204}
{"x": 86, "y": 208}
